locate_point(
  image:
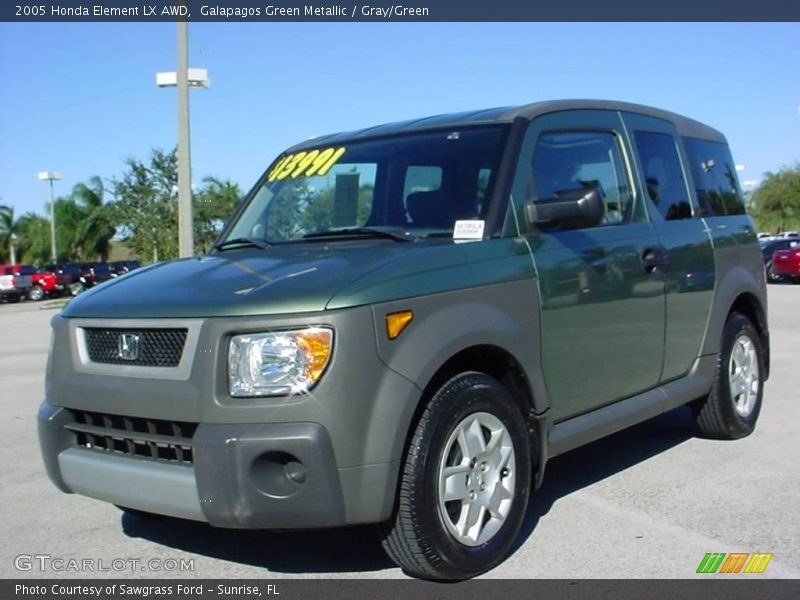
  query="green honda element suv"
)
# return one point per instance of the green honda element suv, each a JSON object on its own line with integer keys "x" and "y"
{"x": 401, "y": 325}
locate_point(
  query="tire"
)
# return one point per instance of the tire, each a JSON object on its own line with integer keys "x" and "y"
{"x": 772, "y": 277}
{"x": 731, "y": 409}
{"x": 76, "y": 288}
{"x": 473, "y": 428}
{"x": 36, "y": 293}
{"x": 14, "y": 298}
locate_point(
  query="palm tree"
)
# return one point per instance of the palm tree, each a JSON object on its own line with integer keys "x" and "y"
{"x": 8, "y": 232}
{"x": 96, "y": 227}
{"x": 34, "y": 237}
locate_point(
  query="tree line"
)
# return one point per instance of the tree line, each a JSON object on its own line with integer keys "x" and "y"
{"x": 142, "y": 211}
{"x": 775, "y": 203}
{"x": 139, "y": 208}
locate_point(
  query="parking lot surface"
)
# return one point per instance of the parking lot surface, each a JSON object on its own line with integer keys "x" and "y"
{"x": 648, "y": 502}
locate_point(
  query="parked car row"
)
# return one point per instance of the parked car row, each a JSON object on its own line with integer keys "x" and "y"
{"x": 55, "y": 280}
{"x": 781, "y": 258}
{"x": 786, "y": 234}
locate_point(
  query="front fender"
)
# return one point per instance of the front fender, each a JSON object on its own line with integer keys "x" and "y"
{"x": 505, "y": 315}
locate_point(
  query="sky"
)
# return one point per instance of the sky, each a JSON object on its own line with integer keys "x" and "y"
{"x": 80, "y": 98}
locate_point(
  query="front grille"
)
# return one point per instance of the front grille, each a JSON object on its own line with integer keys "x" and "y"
{"x": 167, "y": 441}
{"x": 155, "y": 347}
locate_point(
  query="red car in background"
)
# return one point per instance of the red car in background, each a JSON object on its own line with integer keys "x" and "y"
{"x": 786, "y": 263}
{"x": 14, "y": 285}
{"x": 42, "y": 284}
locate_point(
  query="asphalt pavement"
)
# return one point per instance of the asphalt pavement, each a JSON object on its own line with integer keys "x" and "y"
{"x": 648, "y": 502}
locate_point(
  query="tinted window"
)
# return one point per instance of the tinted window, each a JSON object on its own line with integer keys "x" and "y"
{"x": 664, "y": 181}
{"x": 420, "y": 183}
{"x": 26, "y": 270}
{"x": 564, "y": 161}
{"x": 714, "y": 174}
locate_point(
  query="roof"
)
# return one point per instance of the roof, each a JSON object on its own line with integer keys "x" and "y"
{"x": 507, "y": 114}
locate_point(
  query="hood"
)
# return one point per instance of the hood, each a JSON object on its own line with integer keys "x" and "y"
{"x": 283, "y": 279}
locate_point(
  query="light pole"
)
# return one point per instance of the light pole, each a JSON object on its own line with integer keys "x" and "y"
{"x": 184, "y": 78}
{"x": 51, "y": 176}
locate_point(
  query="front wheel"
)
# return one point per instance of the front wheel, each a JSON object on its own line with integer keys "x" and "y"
{"x": 465, "y": 482}
{"x": 731, "y": 409}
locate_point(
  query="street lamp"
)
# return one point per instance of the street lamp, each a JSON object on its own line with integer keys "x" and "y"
{"x": 184, "y": 78}
{"x": 51, "y": 176}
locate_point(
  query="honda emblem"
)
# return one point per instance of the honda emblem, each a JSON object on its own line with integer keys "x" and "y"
{"x": 128, "y": 346}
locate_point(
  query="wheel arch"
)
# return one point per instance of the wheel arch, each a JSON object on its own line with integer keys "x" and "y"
{"x": 502, "y": 365}
{"x": 748, "y": 304}
{"x": 740, "y": 290}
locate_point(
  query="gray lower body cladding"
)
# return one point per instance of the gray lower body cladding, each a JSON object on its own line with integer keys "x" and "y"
{"x": 180, "y": 445}
{"x": 240, "y": 476}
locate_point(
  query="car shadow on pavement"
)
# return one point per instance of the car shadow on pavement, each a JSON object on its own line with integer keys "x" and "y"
{"x": 603, "y": 458}
{"x": 345, "y": 549}
{"x": 357, "y": 548}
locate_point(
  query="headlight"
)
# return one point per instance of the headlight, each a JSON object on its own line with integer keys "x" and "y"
{"x": 277, "y": 363}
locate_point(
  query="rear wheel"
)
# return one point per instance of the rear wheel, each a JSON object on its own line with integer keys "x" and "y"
{"x": 76, "y": 288}
{"x": 465, "y": 483}
{"x": 36, "y": 293}
{"x": 732, "y": 407}
{"x": 772, "y": 276}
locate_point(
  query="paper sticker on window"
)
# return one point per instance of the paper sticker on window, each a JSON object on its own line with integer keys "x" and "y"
{"x": 305, "y": 164}
{"x": 468, "y": 230}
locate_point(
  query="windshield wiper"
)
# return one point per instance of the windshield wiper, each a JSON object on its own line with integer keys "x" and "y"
{"x": 377, "y": 232}
{"x": 242, "y": 241}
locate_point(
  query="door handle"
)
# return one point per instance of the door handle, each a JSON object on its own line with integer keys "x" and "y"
{"x": 655, "y": 260}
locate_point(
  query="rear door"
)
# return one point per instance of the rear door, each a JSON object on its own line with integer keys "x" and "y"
{"x": 683, "y": 236}
{"x": 602, "y": 302}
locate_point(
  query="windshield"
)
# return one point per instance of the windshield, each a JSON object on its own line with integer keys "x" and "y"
{"x": 419, "y": 184}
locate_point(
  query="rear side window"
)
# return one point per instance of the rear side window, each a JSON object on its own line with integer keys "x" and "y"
{"x": 715, "y": 180}
{"x": 592, "y": 160}
{"x": 665, "y": 184}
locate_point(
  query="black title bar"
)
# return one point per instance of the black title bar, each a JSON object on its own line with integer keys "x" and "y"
{"x": 276, "y": 11}
{"x": 712, "y": 588}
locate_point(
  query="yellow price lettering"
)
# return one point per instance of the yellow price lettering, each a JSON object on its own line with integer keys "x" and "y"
{"x": 290, "y": 166}
{"x": 277, "y": 168}
{"x": 320, "y": 161}
{"x": 307, "y": 164}
{"x": 326, "y": 167}
{"x": 304, "y": 163}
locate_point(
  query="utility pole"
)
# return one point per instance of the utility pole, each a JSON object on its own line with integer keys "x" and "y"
{"x": 185, "y": 222}
{"x": 51, "y": 176}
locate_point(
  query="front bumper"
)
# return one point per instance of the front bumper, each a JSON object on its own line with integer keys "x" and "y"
{"x": 279, "y": 475}
{"x": 325, "y": 458}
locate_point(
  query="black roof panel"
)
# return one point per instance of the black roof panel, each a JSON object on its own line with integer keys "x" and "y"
{"x": 684, "y": 125}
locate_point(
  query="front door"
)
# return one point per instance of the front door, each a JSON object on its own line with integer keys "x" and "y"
{"x": 602, "y": 288}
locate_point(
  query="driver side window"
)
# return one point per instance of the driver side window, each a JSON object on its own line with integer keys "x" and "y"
{"x": 565, "y": 161}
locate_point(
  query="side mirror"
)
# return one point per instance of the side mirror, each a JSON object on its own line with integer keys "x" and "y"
{"x": 568, "y": 209}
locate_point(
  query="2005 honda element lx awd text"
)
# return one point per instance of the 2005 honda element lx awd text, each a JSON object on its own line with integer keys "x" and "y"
{"x": 400, "y": 325}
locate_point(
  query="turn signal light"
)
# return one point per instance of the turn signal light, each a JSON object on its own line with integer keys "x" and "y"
{"x": 397, "y": 322}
